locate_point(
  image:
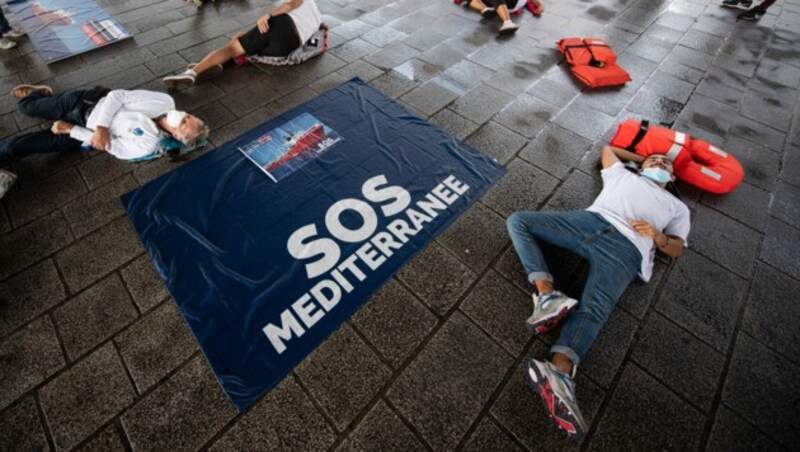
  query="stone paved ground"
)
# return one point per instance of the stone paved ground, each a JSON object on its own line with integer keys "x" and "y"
{"x": 96, "y": 356}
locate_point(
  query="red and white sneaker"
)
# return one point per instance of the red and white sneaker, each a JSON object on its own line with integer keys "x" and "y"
{"x": 548, "y": 311}
{"x": 557, "y": 391}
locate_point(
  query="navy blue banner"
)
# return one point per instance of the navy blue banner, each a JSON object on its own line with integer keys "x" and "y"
{"x": 268, "y": 243}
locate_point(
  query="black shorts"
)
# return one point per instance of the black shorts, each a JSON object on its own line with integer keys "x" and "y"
{"x": 495, "y": 3}
{"x": 280, "y": 40}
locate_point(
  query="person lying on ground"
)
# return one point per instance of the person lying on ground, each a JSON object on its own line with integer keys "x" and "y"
{"x": 495, "y": 8}
{"x": 632, "y": 217}
{"x": 750, "y": 14}
{"x": 130, "y": 125}
{"x": 278, "y": 33}
{"x": 8, "y": 34}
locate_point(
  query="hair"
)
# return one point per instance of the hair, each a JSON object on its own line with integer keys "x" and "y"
{"x": 190, "y": 139}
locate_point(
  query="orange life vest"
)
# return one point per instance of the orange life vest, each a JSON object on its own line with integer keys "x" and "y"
{"x": 593, "y": 62}
{"x": 694, "y": 161}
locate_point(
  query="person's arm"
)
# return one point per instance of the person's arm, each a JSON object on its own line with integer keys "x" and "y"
{"x": 148, "y": 102}
{"x": 263, "y": 24}
{"x": 607, "y": 157}
{"x": 627, "y": 156}
{"x": 670, "y": 245}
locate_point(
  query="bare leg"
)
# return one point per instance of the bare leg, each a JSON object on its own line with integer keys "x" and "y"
{"x": 220, "y": 56}
{"x": 502, "y": 11}
{"x": 477, "y": 5}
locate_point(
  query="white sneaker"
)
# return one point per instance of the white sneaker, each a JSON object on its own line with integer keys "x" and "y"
{"x": 6, "y": 44}
{"x": 6, "y": 181}
{"x": 14, "y": 34}
{"x": 184, "y": 79}
{"x": 508, "y": 28}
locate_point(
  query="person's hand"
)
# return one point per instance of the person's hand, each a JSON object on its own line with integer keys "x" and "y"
{"x": 644, "y": 228}
{"x": 61, "y": 127}
{"x": 100, "y": 139}
{"x": 263, "y": 23}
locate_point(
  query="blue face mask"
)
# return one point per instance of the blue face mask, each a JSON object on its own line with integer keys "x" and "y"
{"x": 656, "y": 175}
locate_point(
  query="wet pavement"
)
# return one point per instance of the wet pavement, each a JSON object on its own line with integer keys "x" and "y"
{"x": 96, "y": 356}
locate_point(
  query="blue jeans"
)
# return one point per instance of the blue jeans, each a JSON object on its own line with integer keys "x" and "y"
{"x": 4, "y": 25}
{"x": 66, "y": 106}
{"x": 614, "y": 262}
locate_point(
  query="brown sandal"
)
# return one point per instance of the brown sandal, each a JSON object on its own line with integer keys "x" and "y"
{"x": 20, "y": 91}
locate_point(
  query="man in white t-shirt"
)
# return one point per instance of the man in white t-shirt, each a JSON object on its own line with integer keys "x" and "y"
{"x": 276, "y": 34}
{"x": 129, "y": 124}
{"x": 618, "y": 234}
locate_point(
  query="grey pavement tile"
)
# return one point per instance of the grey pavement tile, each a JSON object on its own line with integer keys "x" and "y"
{"x": 361, "y": 69}
{"x": 250, "y": 98}
{"x": 786, "y": 204}
{"x": 284, "y": 419}
{"x": 731, "y": 432}
{"x": 584, "y": 120}
{"x": 758, "y": 133}
{"x": 417, "y": 70}
{"x": 725, "y": 241}
{"x": 526, "y": 115}
{"x": 330, "y": 81}
{"x": 424, "y": 39}
{"x": 351, "y": 29}
{"x": 654, "y": 107}
{"x": 391, "y": 55}
{"x": 488, "y": 436}
{"x": 463, "y": 364}
{"x": 181, "y": 414}
{"x": 353, "y": 50}
{"x": 790, "y": 169}
{"x": 605, "y": 357}
{"x": 702, "y": 42}
{"x": 99, "y": 206}
{"x": 771, "y": 315}
{"x": 30, "y": 356}
{"x": 453, "y": 123}
{"x": 703, "y": 298}
{"x": 555, "y": 150}
{"x": 21, "y": 428}
{"x": 28, "y": 203}
{"x": 143, "y": 283}
{"x": 639, "y": 295}
{"x": 443, "y": 55}
{"x": 748, "y": 204}
{"x": 381, "y": 429}
{"x": 523, "y": 187}
{"x": 500, "y": 309}
{"x": 167, "y": 64}
{"x": 724, "y": 86}
{"x": 610, "y": 100}
{"x": 497, "y": 141}
{"x": 652, "y": 50}
{"x": 676, "y": 21}
{"x": 477, "y": 237}
{"x": 383, "y": 35}
{"x": 437, "y": 277}
{"x": 666, "y": 351}
{"x": 28, "y": 294}
{"x": 215, "y": 115}
{"x": 496, "y": 54}
{"x": 94, "y": 315}
{"x": 761, "y": 165}
{"x": 481, "y": 103}
{"x": 394, "y": 322}
{"x": 33, "y": 242}
{"x": 560, "y": 94}
{"x": 38, "y": 166}
{"x": 109, "y": 440}
{"x": 317, "y": 68}
{"x": 781, "y": 247}
{"x": 520, "y": 409}
{"x": 241, "y": 77}
{"x": 328, "y": 371}
{"x": 74, "y": 413}
{"x": 772, "y": 89}
{"x": 776, "y": 71}
{"x": 771, "y": 405}
{"x": 102, "y": 168}
{"x": 765, "y": 108}
{"x": 429, "y": 97}
{"x": 519, "y": 75}
{"x": 629, "y": 421}
{"x": 154, "y": 346}
{"x": 393, "y": 84}
{"x": 84, "y": 262}
{"x": 561, "y": 263}
{"x": 708, "y": 114}
{"x": 577, "y": 192}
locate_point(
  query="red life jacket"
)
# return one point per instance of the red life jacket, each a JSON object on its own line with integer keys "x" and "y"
{"x": 593, "y": 62}
{"x": 694, "y": 161}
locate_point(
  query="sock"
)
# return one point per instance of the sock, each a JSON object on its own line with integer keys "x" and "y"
{"x": 191, "y": 72}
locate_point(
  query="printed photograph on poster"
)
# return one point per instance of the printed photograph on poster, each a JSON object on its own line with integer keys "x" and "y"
{"x": 62, "y": 28}
{"x": 285, "y": 149}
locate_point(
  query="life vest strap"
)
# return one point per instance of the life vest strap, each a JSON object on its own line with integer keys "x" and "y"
{"x": 639, "y": 135}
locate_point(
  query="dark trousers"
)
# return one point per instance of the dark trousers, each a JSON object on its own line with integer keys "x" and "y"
{"x": 66, "y": 106}
{"x": 4, "y": 25}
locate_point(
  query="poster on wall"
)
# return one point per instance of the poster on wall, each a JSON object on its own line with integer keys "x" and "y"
{"x": 60, "y": 29}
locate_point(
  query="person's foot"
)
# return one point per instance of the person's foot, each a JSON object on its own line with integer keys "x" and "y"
{"x": 13, "y": 34}
{"x": 20, "y": 91}
{"x": 752, "y": 15}
{"x": 549, "y": 310}
{"x": 7, "y": 44}
{"x": 557, "y": 391}
{"x": 488, "y": 13}
{"x": 737, "y": 4}
{"x": 508, "y": 28}
{"x": 184, "y": 79}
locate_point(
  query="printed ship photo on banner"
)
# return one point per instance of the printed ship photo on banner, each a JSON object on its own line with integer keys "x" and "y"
{"x": 62, "y": 28}
{"x": 268, "y": 243}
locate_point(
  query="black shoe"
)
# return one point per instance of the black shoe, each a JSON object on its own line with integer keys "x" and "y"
{"x": 489, "y": 13}
{"x": 752, "y": 15}
{"x": 744, "y": 5}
